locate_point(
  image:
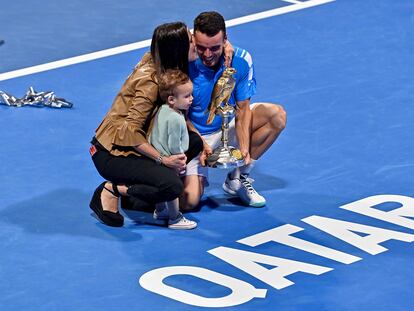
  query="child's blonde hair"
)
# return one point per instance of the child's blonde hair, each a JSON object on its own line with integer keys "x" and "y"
{"x": 169, "y": 81}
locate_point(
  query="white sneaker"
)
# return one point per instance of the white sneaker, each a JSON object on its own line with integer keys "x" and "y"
{"x": 231, "y": 185}
{"x": 181, "y": 223}
{"x": 242, "y": 187}
{"x": 161, "y": 215}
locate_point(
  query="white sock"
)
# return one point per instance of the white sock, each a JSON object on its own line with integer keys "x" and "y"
{"x": 235, "y": 174}
{"x": 246, "y": 169}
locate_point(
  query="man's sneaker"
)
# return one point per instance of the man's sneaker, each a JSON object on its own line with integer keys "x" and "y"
{"x": 231, "y": 185}
{"x": 242, "y": 187}
{"x": 161, "y": 215}
{"x": 181, "y": 223}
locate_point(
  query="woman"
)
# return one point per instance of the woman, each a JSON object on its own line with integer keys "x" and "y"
{"x": 120, "y": 150}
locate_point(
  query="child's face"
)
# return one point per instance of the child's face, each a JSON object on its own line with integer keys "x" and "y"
{"x": 183, "y": 96}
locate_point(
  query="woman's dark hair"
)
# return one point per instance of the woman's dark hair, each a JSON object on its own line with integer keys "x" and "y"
{"x": 169, "y": 47}
{"x": 210, "y": 23}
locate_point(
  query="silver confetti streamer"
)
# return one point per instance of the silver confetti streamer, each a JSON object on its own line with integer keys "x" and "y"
{"x": 36, "y": 99}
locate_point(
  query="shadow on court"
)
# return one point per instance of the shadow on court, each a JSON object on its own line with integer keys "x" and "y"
{"x": 62, "y": 212}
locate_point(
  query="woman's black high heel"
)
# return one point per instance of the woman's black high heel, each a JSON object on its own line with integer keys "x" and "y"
{"x": 109, "y": 218}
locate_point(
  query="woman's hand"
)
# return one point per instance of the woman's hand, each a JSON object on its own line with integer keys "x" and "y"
{"x": 228, "y": 53}
{"x": 175, "y": 161}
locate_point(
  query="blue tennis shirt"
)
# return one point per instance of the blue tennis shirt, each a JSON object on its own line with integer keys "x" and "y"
{"x": 204, "y": 79}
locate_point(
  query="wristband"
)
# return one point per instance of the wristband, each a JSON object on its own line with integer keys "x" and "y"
{"x": 158, "y": 160}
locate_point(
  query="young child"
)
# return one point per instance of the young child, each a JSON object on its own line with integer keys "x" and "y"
{"x": 169, "y": 135}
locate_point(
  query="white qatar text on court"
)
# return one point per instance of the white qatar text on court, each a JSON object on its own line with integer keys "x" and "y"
{"x": 249, "y": 262}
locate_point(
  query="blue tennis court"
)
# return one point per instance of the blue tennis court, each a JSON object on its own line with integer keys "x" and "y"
{"x": 337, "y": 231}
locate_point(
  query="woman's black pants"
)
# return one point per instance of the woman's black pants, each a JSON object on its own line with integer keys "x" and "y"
{"x": 147, "y": 181}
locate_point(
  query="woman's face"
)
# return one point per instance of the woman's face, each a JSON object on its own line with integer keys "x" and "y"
{"x": 192, "y": 53}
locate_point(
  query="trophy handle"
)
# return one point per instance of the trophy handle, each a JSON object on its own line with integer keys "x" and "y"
{"x": 225, "y": 132}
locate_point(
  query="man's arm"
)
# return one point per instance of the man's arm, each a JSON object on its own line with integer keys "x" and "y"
{"x": 243, "y": 127}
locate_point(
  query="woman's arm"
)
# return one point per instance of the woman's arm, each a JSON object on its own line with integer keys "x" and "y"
{"x": 133, "y": 110}
{"x": 176, "y": 161}
{"x": 228, "y": 53}
{"x": 133, "y": 130}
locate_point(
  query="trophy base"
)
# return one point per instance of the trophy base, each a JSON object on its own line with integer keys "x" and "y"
{"x": 224, "y": 158}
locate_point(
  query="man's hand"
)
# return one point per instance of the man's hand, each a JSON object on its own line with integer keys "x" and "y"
{"x": 175, "y": 161}
{"x": 206, "y": 152}
{"x": 228, "y": 53}
{"x": 246, "y": 156}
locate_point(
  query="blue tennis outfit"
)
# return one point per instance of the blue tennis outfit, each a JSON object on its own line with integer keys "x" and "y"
{"x": 204, "y": 79}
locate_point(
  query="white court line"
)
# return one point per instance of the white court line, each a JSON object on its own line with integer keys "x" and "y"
{"x": 297, "y": 5}
{"x": 292, "y": 1}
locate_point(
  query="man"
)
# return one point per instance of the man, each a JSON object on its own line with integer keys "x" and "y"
{"x": 255, "y": 126}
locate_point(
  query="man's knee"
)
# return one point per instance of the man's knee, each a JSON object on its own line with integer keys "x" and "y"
{"x": 269, "y": 114}
{"x": 277, "y": 117}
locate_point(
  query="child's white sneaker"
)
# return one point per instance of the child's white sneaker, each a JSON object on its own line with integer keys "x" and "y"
{"x": 181, "y": 223}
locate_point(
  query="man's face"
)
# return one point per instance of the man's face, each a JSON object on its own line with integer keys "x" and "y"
{"x": 209, "y": 49}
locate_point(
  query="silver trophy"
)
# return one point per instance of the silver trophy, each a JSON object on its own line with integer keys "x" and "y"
{"x": 35, "y": 99}
{"x": 224, "y": 156}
